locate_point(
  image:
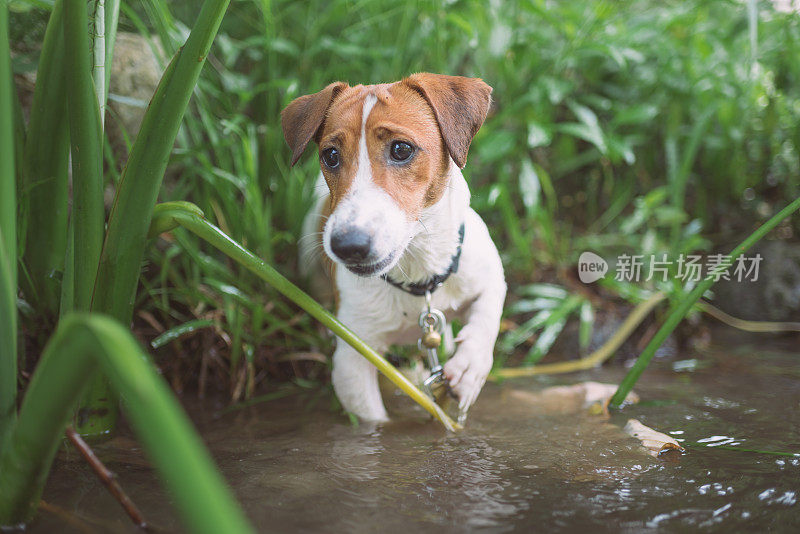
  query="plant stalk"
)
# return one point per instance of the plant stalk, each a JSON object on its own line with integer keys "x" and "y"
{"x": 43, "y": 196}
{"x": 97, "y": 412}
{"x": 8, "y": 239}
{"x": 107, "y": 477}
{"x": 86, "y": 137}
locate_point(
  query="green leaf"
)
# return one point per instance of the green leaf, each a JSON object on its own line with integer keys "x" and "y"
{"x": 552, "y": 328}
{"x": 88, "y": 216}
{"x": 179, "y": 331}
{"x": 528, "y": 306}
{"x": 550, "y": 291}
{"x": 635, "y": 115}
{"x": 524, "y": 331}
{"x": 43, "y": 195}
{"x": 539, "y": 134}
{"x": 529, "y": 186}
{"x": 587, "y": 129}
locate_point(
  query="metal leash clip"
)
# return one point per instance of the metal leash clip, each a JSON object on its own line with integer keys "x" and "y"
{"x": 432, "y": 323}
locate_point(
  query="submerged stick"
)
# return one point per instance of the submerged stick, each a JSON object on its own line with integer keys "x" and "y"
{"x": 108, "y": 478}
{"x": 169, "y": 215}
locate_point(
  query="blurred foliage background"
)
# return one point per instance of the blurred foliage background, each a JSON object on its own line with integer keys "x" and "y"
{"x": 654, "y": 126}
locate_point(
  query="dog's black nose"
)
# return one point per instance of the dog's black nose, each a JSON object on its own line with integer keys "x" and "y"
{"x": 351, "y": 246}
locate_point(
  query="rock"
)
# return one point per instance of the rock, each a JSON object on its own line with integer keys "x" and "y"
{"x": 570, "y": 399}
{"x": 135, "y": 73}
{"x": 774, "y": 295}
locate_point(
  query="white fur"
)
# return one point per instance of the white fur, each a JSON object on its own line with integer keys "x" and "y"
{"x": 369, "y": 208}
{"x": 383, "y": 315}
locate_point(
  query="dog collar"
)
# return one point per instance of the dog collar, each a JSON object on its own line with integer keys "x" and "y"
{"x": 420, "y": 288}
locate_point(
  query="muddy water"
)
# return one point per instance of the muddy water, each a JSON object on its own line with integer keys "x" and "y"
{"x": 520, "y": 465}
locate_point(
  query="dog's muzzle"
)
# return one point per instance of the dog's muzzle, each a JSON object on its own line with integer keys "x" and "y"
{"x": 352, "y": 245}
{"x": 353, "y": 248}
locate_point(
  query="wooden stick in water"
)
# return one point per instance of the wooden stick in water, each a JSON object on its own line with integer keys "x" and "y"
{"x": 108, "y": 478}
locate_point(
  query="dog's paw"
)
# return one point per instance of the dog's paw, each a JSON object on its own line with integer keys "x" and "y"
{"x": 466, "y": 377}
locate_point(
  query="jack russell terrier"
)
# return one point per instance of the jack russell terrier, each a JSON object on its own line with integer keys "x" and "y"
{"x": 398, "y": 220}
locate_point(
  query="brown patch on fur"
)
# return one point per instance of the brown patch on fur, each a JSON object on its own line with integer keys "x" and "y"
{"x": 303, "y": 117}
{"x": 400, "y": 114}
{"x": 437, "y": 114}
{"x": 460, "y": 105}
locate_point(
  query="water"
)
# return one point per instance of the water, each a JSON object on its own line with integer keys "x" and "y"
{"x": 523, "y": 463}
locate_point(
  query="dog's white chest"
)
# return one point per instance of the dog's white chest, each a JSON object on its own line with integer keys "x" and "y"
{"x": 385, "y": 314}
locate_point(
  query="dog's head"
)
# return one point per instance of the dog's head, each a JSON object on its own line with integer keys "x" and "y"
{"x": 385, "y": 151}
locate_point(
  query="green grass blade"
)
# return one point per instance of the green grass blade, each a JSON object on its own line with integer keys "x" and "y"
{"x": 43, "y": 196}
{"x": 8, "y": 238}
{"x": 140, "y": 182}
{"x": 552, "y": 327}
{"x": 683, "y": 306}
{"x": 88, "y": 215}
{"x": 171, "y": 214}
{"x": 97, "y": 412}
{"x": 678, "y": 176}
{"x": 82, "y": 341}
{"x": 523, "y": 332}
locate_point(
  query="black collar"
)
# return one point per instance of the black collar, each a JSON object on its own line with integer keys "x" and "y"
{"x": 419, "y": 289}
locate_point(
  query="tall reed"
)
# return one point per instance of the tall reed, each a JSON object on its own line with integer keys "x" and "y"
{"x": 8, "y": 239}
{"x": 43, "y": 196}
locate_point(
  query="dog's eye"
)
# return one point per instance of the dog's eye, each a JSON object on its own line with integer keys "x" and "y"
{"x": 401, "y": 151}
{"x": 330, "y": 157}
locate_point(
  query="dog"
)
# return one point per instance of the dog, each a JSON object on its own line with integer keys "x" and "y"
{"x": 397, "y": 223}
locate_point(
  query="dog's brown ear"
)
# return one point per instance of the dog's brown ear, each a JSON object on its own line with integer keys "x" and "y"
{"x": 304, "y": 115}
{"x": 460, "y": 106}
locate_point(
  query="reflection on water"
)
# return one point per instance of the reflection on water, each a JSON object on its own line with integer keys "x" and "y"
{"x": 518, "y": 466}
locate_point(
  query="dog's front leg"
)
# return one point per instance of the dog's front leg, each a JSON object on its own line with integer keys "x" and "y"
{"x": 355, "y": 381}
{"x": 467, "y": 370}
